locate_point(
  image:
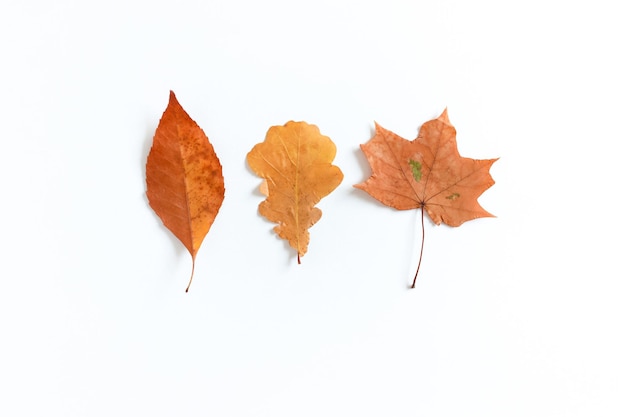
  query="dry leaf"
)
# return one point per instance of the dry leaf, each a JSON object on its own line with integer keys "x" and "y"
{"x": 427, "y": 173}
{"x": 295, "y": 163}
{"x": 185, "y": 186}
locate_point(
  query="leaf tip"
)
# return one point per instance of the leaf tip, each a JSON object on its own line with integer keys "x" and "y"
{"x": 444, "y": 117}
{"x": 378, "y": 128}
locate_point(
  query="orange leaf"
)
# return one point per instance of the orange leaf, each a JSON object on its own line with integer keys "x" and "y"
{"x": 427, "y": 173}
{"x": 295, "y": 162}
{"x": 185, "y": 186}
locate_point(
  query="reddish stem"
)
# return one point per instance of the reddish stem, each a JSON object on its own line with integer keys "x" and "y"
{"x": 298, "y": 258}
{"x": 421, "y": 251}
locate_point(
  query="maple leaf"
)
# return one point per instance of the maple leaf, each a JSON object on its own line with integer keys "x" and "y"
{"x": 295, "y": 163}
{"x": 427, "y": 173}
{"x": 185, "y": 186}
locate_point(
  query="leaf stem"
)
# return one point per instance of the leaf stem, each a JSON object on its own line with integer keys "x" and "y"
{"x": 421, "y": 251}
{"x": 193, "y": 267}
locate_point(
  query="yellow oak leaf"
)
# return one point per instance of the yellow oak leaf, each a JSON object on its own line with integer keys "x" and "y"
{"x": 295, "y": 161}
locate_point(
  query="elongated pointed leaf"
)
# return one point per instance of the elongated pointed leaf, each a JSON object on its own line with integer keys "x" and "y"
{"x": 185, "y": 186}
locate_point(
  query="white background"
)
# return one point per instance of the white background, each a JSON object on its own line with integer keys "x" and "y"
{"x": 519, "y": 315}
